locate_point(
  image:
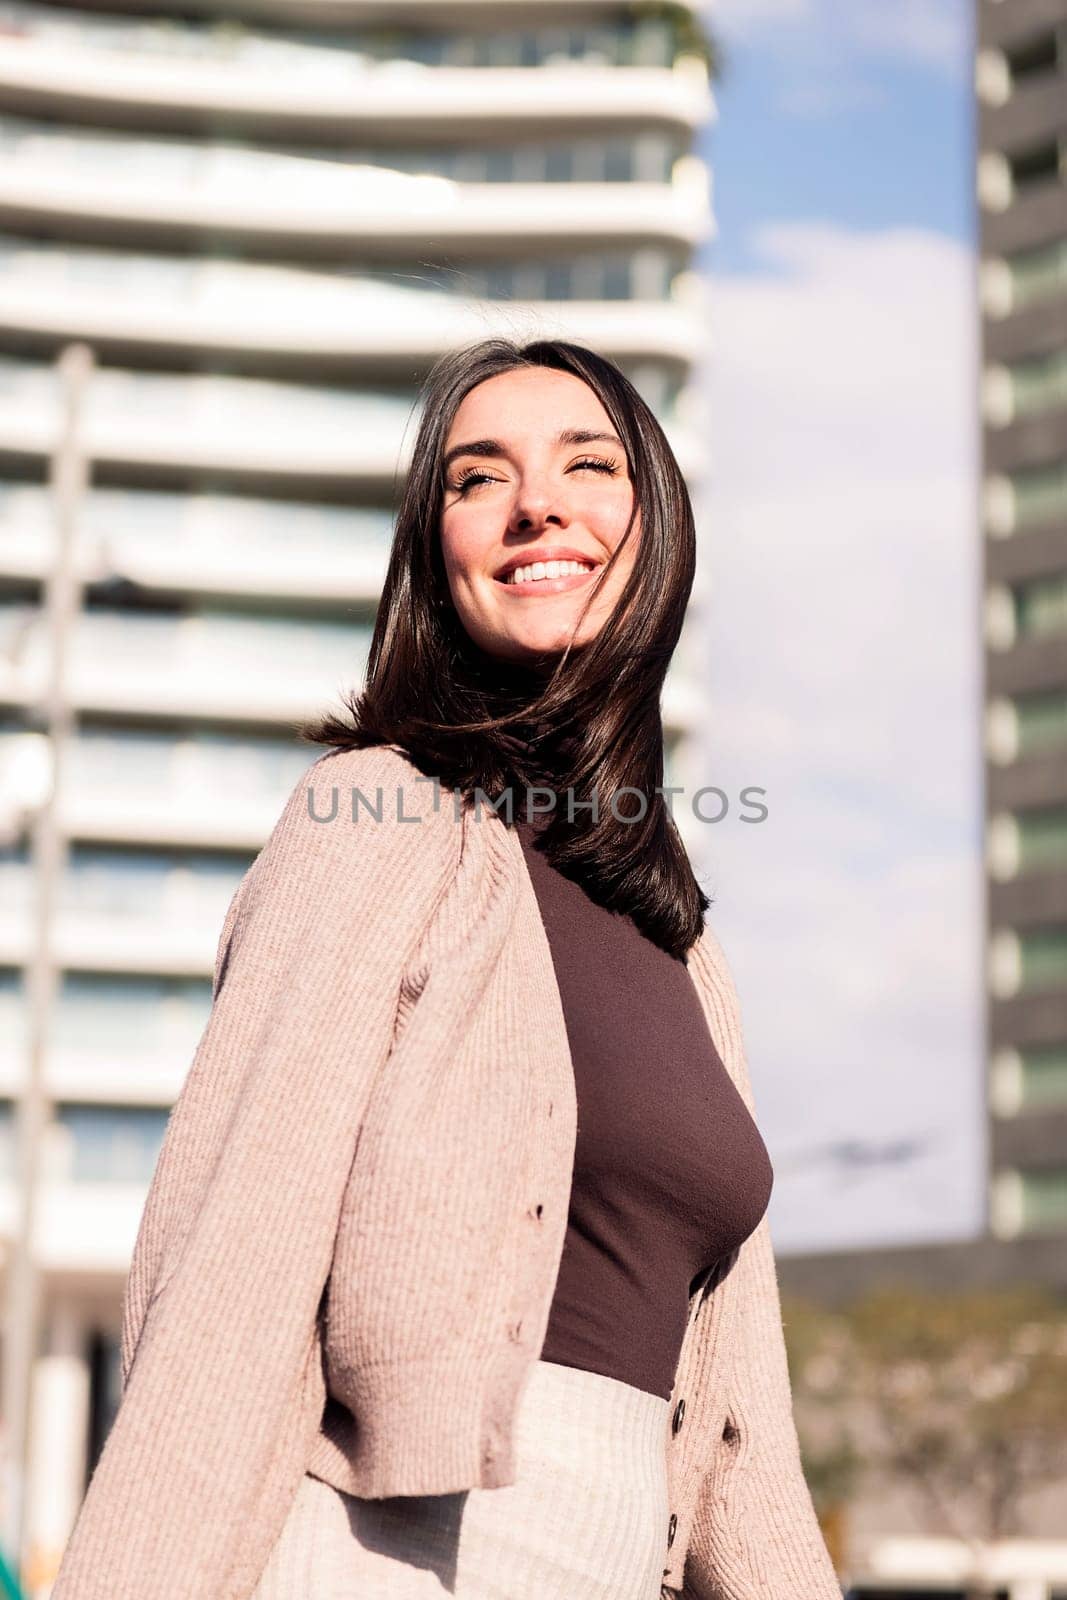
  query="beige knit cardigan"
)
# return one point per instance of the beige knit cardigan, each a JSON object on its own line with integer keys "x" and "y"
{"x": 350, "y": 1245}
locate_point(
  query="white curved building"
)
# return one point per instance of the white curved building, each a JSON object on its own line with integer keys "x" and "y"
{"x": 267, "y": 218}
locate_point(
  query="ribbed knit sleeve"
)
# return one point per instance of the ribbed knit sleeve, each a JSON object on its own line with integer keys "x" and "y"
{"x": 755, "y": 1533}
{"x": 219, "y": 1340}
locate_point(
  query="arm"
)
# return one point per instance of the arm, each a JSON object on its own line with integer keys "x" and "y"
{"x": 755, "y": 1533}
{"x": 235, "y": 1247}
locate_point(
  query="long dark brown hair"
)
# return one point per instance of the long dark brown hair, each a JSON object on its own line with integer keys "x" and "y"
{"x": 586, "y": 719}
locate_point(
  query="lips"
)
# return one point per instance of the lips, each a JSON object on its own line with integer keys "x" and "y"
{"x": 552, "y": 552}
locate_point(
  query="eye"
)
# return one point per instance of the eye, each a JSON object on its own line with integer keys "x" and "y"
{"x": 470, "y": 476}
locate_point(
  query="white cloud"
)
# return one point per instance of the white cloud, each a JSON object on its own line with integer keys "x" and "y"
{"x": 843, "y": 674}
{"x": 935, "y": 31}
{"x": 737, "y": 17}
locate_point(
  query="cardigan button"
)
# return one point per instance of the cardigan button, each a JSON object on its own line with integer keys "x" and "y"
{"x": 671, "y": 1526}
{"x": 679, "y": 1414}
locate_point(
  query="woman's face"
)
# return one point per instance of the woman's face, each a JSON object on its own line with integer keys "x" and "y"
{"x": 534, "y": 471}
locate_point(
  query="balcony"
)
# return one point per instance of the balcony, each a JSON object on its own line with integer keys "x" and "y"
{"x": 1032, "y": 330}
{"x": 93, "y": 184}
{"x": 1031, "y": 664}
{"x": 1032, "y": 110}
{"x": 1031, "y": 780}
{"x": 1031, "y": 553}
{"x": 81, "y": 1229}
{"x": 1035, "y": 1139}
{"x": 1030, "y": 1019}
{"x": 201, "y": 545}
{"x": 373, "y": 214}
{"x": 1034, "y": 900}
{"x": 1004, "y": 25}
{"x": 1036, "y": 217}
{"x": 111, "y": 1041}
{"x": 379, "y": 333}
{"x": 1032, "y": 441}
{"x": 218, "y": 666}
{"x": 296, "y": 92}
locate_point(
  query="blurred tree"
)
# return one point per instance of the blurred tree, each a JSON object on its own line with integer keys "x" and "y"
{"x": 961, "y": 1398}
{"x": 818, "y": 1343}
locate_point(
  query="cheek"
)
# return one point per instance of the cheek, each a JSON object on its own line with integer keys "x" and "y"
{"x": 607, "y": 517}
{"x": 463, "y": 544}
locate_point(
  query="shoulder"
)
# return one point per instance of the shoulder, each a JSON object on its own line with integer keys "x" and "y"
{"x": 355, "y": 814}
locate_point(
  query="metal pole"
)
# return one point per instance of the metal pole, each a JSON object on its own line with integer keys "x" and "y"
{"x": 68, "y": 480}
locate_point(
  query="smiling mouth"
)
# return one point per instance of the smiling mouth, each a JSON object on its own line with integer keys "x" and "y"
{"x": 548, "y": 577}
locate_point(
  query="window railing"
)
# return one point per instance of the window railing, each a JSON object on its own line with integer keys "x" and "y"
{"x": 251, "y": 286}
{"x": 317, "y": 55}
{"x": 337, "y": 170}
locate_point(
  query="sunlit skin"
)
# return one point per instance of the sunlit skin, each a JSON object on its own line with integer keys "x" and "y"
{"x": 540, "y": 466}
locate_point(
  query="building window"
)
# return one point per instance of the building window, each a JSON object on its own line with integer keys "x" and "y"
{"x": 1042, "y": 838}
{"x": 341, "y": 169}
{"x": 1039, "y": 274}
{"x": 128, "y": 1019}
{"x": 1039, "y": 494}
{"x": 1041, "y": 722}
{"x": 146, "y": 885}
{"x": 1043, "y": 959}
{"x": 13, "y": 1015}
{"x": 111, "y": 1144}
{"x": 16, "y": 880}
{"x": 1035, "y": 57}
{"x": 1035, "y": 166}
{"x": 267, "y": 290}
{"x": 196, "y": 765}
{"x": 1041, "y": 607}
{"x": 1044, "y": 1075}
{"x": 1039, "y": 384}
{"x": 318, "y": 55}
{"x": 7, "y": 1141}
{"x": 1044, "y": 1198}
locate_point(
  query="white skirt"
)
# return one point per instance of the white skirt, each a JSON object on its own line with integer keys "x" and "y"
{"x": 586, "y": 1518}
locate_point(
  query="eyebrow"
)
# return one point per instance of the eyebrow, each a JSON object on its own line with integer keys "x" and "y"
{"x": 493, "y": 447}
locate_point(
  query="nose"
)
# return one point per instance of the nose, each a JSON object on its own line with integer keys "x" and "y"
{"x": 537, "y": 504}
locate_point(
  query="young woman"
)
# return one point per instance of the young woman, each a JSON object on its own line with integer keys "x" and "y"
{"x": 454, "y": 1276}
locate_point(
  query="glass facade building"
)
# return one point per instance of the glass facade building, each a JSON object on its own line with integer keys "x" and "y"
{"x": 1022, "y": 188}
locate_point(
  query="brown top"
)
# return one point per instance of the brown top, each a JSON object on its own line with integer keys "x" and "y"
{"x": 670, "y": 1172}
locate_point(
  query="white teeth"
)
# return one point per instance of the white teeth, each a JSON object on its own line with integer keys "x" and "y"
{"x": 548, "y": 569}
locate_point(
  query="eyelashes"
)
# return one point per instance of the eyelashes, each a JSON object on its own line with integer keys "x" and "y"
{"x": 474, "y": 475}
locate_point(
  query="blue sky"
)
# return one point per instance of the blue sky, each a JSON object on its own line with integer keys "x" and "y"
{"x": 821, "y": 117}
{"x": 843, "y": 649}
